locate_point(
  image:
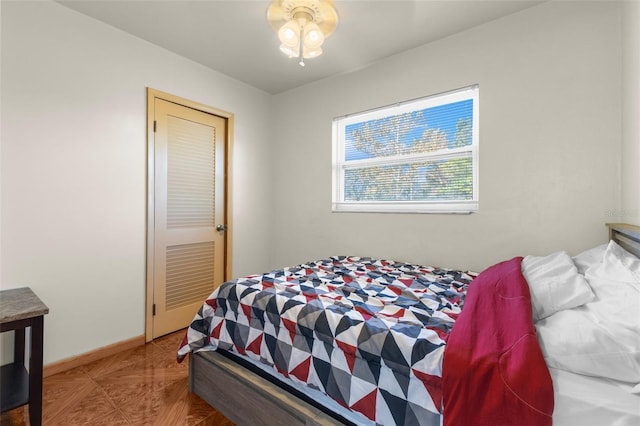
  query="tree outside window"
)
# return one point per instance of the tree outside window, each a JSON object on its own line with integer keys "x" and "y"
{"x": 419, "y": 156}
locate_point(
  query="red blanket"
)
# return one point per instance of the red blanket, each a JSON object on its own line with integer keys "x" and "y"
{"x": 493, "y": 369}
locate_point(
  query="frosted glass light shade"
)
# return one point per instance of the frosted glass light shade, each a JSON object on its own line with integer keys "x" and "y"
{"x": 313, "y": 37}
{"x": 290, "y": 51}
{"x": 289, "y": 34}
{"x": 311, "y": 53}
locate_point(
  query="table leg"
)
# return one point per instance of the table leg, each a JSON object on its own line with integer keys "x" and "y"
{"x": 35, "y": 371}
{"x": 18, "y": 345}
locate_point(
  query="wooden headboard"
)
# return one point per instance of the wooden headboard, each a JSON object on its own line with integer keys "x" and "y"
{"x": 627, "y": 236}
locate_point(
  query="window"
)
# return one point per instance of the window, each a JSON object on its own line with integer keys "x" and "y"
{"x": 419, "y": 156}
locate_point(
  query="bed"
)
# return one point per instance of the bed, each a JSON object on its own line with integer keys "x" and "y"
{"x": 349, "y": 340}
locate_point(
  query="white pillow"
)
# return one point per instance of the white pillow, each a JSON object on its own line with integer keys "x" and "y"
{"x": 588, "y": 258}
{"x": 555, "y": 284}
{"x": 619, "y": 264}
{"x": 601, "y": 338}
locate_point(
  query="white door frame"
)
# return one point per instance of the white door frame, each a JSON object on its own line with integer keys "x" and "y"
{"x": 152, "y": 95}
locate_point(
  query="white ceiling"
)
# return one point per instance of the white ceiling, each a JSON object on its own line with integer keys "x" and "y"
{"x": 234, "y": 38}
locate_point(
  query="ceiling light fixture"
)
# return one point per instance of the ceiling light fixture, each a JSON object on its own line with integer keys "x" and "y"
{"x": 302, "y": 25}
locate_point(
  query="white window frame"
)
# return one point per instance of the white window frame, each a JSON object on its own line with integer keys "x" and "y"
{"x": 339, "y": 165}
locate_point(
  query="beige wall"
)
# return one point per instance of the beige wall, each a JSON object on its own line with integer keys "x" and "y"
{"x": 550, "y": 143}
{"x": 74, "y": 168}
{"x": 555, "y": 162}
{"x": 630, "y": 210}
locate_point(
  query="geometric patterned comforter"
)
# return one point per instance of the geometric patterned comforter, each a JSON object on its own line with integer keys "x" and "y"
{"x": 368, "y": 333}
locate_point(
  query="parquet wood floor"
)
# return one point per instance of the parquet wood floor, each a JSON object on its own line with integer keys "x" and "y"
{"x": 141, "y": 386}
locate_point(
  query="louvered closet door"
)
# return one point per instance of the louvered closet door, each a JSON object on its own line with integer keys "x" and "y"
{"x": 189, "y": 204}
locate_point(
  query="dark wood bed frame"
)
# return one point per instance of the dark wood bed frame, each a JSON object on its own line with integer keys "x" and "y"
{"x": 246, "y": 398}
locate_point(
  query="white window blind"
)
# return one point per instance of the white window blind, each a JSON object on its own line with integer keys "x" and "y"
{"x": 419, "y": 156}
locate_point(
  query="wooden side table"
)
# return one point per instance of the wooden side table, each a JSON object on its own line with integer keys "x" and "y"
{"x": 21, "y": 308}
